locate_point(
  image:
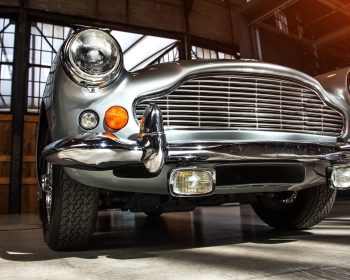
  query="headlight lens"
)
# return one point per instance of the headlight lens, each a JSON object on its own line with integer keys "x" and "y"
{"x": 92, "y": 57}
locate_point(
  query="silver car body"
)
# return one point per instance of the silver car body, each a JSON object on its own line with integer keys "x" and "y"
{"x": 64, "y": 101}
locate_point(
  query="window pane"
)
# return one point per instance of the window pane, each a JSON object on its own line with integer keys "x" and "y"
{"x": 37, "y": 77}
{"x": 145, "y": 51}
{"x": 203, "y": 53}
{"x": 45, "y": 41}
{"x": 5, "y": 87}
{"x": 7, "y": 41}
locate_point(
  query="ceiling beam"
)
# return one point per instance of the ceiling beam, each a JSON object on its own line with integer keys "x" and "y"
{"x": 334, "y": 36}
{"x": 335, "y": 6}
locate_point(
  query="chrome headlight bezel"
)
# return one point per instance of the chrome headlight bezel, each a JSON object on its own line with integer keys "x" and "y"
{"x": 86, "y": 79}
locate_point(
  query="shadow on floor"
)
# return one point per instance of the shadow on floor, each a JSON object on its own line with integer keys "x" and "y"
{"x": 131, "y": 235}
{"x": 228, "y": 239}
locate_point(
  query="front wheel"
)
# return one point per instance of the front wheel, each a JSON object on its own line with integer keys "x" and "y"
{"x": 295, "y": 210}
{"x": 68, "y": 211}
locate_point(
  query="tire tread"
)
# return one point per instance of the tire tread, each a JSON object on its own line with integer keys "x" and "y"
{"x": 74, "y": 214}
{"x": 312, "y": 206}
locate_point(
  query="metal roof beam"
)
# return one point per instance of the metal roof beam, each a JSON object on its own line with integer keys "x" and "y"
{"x": 334, "y": 36}
{"x": 336, "y": 6}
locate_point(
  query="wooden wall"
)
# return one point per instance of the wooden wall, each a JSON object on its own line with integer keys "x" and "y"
{"x": 29, "y": 193}
{"x": 5, "y": 160}
{"x": 29, "y": 187}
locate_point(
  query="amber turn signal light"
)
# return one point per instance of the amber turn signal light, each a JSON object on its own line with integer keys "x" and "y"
{"x": 116, "y": 117}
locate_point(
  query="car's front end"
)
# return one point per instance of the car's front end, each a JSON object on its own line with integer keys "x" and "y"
{"x": 191, "y": 128}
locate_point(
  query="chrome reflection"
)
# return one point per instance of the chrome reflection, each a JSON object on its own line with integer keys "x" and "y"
{"x": 46, "y": 189}
{"x": 101, "y": 151}
{"x": 153, "y": 139}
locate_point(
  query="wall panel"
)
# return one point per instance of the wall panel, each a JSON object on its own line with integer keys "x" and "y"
{"x": 212, "y": 21}
{"x": 280, "y": 49}
{"x": 29, "y": 196}
{"x": 5, "y": 160}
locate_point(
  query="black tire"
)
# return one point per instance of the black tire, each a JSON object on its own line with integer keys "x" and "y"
{"x": 73, "y": 213}
{"x": 295, "y": 211}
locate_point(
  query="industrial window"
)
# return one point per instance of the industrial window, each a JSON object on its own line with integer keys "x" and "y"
{"x": 281, "y": 21}
{"x": 202, "y": 53}
{"x": 7, "y": 42}
{"x": 45, "y": 41}
{"x": 170, "y": 55}
{"x": 141, "y": 50}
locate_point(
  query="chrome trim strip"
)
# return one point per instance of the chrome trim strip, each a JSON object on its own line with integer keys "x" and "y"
{"x": 227, "y": 136}
{"x": 219, "y": 152}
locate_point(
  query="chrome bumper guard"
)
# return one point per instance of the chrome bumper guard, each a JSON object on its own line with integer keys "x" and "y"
{"x": 97, "y": 151}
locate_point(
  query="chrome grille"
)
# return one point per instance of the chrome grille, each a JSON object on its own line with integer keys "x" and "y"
{"x": 246, "y": 102}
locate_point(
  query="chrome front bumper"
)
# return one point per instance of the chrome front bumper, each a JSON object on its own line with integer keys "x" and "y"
{"x": 98, "y": 151}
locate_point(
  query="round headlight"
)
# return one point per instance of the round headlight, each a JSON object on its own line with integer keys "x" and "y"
{"x": 92, "y": 57}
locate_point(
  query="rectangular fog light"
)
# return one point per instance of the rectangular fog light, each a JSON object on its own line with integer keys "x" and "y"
{"x": 340, "y": 177}
{"x": 192, "y": 181}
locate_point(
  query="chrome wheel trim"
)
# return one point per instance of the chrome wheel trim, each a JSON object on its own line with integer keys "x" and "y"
{"x": 46, "y": 187}
{"x": 290, "y": 199}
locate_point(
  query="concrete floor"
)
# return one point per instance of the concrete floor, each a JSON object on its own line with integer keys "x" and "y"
{"x": 227, "y": 242}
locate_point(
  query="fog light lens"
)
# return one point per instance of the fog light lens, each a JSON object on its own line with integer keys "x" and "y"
{"x": 192, "y": 181}
{"x": 88, "y": 120}
{"x": 340, "y": 178}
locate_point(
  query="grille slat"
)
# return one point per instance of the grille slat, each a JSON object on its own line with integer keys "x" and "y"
{"x": 246, "y": 91}
{"x": 247, "y": 86}
{"x": 234, "y": 98}
{"x": 223, "y": 84}
{"x": 315, "y": 118}
{"x": 221, "y": 115}
{"x": 273, "y": 107}
{"x": 286, "y": 121}
{"x": 246, "y": 102}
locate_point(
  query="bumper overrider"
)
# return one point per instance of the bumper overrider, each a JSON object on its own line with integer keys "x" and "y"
{"x": 99, "y": 151}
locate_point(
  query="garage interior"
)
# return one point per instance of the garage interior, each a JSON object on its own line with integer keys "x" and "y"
{"x": 227, "y": 242}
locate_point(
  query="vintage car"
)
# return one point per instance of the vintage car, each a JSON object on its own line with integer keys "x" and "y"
{"x": 176, "y": 136}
